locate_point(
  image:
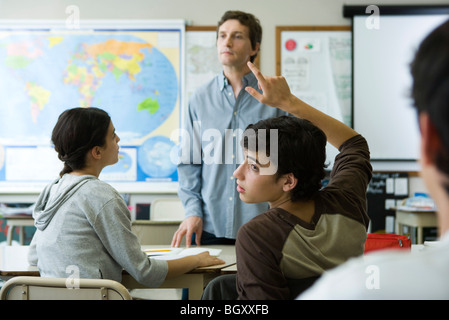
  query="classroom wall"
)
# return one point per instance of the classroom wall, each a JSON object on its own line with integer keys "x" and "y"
{"x": 271, "y": 13}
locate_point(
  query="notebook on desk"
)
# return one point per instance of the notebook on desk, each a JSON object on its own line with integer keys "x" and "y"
{"x": 175, "y": 253}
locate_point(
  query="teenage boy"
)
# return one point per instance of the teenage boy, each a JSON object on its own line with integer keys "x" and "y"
{"x": 213, "y": 210}
{"x": 308, "y": 229}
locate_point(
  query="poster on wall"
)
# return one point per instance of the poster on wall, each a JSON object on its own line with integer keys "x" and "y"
{"x": 132, "y": 70}
{"x": 317, "y": 64}
{"x": 202, "y": 63}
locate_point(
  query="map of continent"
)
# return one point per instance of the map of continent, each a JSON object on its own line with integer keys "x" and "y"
{"x": 129, "y": 76}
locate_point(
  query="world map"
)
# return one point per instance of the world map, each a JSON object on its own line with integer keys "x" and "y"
{"x": 129, "y": 75}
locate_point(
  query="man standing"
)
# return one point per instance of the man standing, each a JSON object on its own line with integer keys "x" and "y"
{"x": 218, "y": 113}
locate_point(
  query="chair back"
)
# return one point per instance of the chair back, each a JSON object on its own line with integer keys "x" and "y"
{"x": 40, "y": 288}
{"x": 167, "y": 209}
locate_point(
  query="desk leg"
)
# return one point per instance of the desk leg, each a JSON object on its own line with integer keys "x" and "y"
{"x": 420, "y": 235}
{"x": 9, "y": 235}
{"x": 399, "y": 229}
{"x": 22, "y": 235}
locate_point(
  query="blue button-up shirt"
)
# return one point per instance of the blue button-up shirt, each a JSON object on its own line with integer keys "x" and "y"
{"x": 213, "y": 122}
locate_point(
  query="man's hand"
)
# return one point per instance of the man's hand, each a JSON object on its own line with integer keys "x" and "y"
{"x": 187, "y": 228}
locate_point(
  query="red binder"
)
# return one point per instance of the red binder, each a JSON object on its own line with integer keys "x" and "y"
{"x": 381, "y": 241}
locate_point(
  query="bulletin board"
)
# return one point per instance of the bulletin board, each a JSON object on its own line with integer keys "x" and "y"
{"x": 202, "y": 62}
{"x": 201, "y": 56}
{"x": 385, "y": 192}
{"x": 316, "y": 61}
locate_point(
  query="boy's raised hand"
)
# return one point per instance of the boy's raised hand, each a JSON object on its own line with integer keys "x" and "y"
{"x": 275, "y": 90}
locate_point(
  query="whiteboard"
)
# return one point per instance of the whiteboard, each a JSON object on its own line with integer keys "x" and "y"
{"x": 383, "y": 109}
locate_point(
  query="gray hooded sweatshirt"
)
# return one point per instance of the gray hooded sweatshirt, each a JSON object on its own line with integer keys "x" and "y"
{"x": 84, "y": 227}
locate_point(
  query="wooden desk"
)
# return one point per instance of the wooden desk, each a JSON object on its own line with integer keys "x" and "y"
{"x": 416, "y": 219}
{"x": 13, "y": 262}
{"x": 229, "y": 270}
{"x": 197, "y": 279}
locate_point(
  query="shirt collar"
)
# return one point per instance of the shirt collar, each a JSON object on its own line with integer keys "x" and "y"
{"x": 249, "y": 79}
{"x": 222, "y": 81}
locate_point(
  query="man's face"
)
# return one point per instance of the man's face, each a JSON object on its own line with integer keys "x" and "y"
{"x": 233, "y": 44}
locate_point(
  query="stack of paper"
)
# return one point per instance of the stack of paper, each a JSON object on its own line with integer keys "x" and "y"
{"x": 176, "y": 253}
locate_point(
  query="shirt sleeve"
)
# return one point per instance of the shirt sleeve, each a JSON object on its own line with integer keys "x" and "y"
{"x": 113, "y": 227}
{"x": 349, "y": 179}
{"x": 190, "y": 167}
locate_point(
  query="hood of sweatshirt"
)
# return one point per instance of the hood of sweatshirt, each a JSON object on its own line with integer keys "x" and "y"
{"x": 55, "y": 195}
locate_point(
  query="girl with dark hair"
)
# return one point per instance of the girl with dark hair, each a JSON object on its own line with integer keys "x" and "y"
{"x": 78, "y": 131}
{"x": 82, "y": 223}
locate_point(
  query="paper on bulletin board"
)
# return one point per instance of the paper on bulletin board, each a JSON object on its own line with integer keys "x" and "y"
{"x": 318, "y": 68}
{"x": 202, "y": 62}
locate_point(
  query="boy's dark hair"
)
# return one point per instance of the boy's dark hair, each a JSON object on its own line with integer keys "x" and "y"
{"x": 246, "y": 19}
{"x": 76, "y": 132}
{"x": 430, "y": 89}
{"x": 301, "y": 151}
